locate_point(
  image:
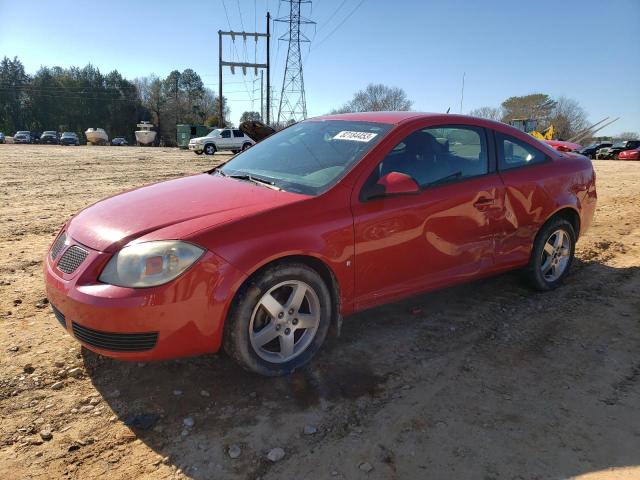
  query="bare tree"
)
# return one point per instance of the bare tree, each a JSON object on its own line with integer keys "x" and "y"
{"x": 568, "y": 118}
{"x": 627, "y": 136}
{"x": 490, "y": 113}
{"x": 376, "y": 98}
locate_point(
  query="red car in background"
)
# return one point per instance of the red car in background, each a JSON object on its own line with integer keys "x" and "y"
{"x": 629, "y": 154}
{"x": 328, "y": 217}
{"x": 563, "y": 146}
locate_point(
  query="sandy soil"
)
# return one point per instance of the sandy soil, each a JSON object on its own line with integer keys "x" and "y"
{"x": 486, "y": 381}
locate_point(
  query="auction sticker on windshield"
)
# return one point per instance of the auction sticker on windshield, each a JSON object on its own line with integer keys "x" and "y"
{"x": 355, "y": 136}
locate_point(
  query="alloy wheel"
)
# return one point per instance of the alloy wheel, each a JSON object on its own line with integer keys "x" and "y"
{"x": 284, "y": 321}
{"x": 555, "y": 255}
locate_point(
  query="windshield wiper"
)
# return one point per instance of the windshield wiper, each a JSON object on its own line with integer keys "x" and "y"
{"x": 256, "y": 180}
{"x": 446, "y": 178}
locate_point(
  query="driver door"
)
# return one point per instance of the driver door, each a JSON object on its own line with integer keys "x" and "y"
{"x": 443, "y": 234}
{"x": 225, "y": 141}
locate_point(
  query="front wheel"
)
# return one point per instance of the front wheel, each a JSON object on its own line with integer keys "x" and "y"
{"x": 209, "y": 149}
{"x": 280, "y": 320}
{"x": 552, "y": 255}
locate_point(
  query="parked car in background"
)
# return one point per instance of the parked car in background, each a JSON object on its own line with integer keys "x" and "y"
{"x": 221, "y": 139}
{"x": 69, "y": 138}
{"x": 591, "y": 150}
{"x": 50, "y": 136}
{"x": 618, "y": 147}
{"x": 35, "y": 137}
{"x": 2, "y": 139}
{"x": 119, "y": 142}
{"x": 22, "y": 136}
{"x": 630, "y": 154}
{"x": 330, "y": 216}
{"x": 603, "y": 153}
{"x": 563, "y": 146}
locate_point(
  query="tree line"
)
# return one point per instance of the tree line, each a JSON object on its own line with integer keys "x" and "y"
{"x": 74, "y": 99}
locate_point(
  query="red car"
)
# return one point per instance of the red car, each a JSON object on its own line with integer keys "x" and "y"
{"x": 563, "y": 146}
{"x": 328, "y": 217}
{"x": 629, "y": 154}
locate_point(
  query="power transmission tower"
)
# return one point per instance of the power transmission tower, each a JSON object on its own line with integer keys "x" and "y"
{"x": 293, "y": 104}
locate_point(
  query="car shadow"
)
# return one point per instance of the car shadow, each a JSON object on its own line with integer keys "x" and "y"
{"x": 189, "y": 411}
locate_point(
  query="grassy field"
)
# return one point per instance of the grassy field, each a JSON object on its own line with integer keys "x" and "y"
{"x": 483, "y": 381}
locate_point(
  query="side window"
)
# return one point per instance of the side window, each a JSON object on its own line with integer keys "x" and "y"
{"x": 514, "y": 153}
{"x": 238, "y": 133}
{"x": 439, "y": 155}
{"x": 226, "y": 134}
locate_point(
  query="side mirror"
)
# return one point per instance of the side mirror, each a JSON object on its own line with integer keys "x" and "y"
{"x": 393, "y": 183}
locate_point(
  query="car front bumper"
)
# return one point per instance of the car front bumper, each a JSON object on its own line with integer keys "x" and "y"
{"x": 196, "y": 147}
{"x": 181, "y": 318}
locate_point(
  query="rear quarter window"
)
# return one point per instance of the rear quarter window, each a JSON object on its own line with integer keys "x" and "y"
{"x": 514, "y": 153}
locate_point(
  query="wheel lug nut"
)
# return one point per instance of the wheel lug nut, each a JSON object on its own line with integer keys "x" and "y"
{"x": 287, "y": 331}
{"x": 291, "y": 311}
{"x": 277, "y": 327}
{"x": 295, "y": 321}
{"x": 281, "y": 314}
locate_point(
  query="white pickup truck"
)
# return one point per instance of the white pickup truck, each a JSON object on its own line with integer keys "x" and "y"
{"x": 221, "y": 139}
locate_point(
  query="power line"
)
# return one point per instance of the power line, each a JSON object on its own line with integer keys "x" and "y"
{"x": 339, "y": 25}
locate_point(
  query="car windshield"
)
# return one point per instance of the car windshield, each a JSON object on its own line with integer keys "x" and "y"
{"x": 22, "y": 132}
{"x": 619, "y": 144}
{"x": 308, "y": 157}
{"x": 68, "y": 134}
{"x": 214, "y": 133}
{"x": 49, "y": 133}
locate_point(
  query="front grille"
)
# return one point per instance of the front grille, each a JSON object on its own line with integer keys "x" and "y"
{"x": 117, "y": 342}
{"x": 57, "y": 246}
{"x": 59, "y": 317}
{"x": 71, "y": 259}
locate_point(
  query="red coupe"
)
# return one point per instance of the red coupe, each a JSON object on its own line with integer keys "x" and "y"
{"x": 330, "y": 216}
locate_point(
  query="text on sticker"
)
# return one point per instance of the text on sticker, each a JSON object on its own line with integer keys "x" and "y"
{"x": 355, "y": 136}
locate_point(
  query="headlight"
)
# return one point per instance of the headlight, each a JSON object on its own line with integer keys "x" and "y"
{"x": 150, "y": 264}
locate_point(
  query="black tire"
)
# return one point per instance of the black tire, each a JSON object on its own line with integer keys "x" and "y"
{"x": 245, "y": 146}
{"x": 534, "y": 272}
{"x": 237, "y": 341}
{"x": 209, "y": 149}
{"x": 198, "y": 152}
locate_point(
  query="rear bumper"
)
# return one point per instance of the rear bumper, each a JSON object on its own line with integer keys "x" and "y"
{"x": 182, "y": 318}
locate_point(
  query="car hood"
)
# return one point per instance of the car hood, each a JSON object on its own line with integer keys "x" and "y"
{"x": 189, "y": 204}
{"x": 200, "y": 139}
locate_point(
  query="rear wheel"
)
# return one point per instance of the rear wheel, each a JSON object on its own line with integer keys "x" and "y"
{"x": 280, "y": 320}
{"x": 209, "y": 149}
{"x": 198, "y": 152}
{"x": 245, "y": 146}
{"x": 552, "y": 255}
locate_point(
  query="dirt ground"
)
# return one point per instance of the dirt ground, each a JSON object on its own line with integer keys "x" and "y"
{"x": 484, "y": 381}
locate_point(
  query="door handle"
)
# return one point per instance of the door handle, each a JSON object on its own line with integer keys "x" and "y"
{"x": 483, "y": 203}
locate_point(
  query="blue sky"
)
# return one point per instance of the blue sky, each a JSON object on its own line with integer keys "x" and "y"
{"x": 588, "y": 50}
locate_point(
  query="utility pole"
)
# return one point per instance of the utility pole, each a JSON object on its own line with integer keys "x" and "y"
{"x": 268, "y": 68}
{"x": 293, "y": 104}
{"x": 220, "y": 106}
{"x": 261, "y": 92}
{"x": 462, "y": 92}
{"x": 244, "y": 65}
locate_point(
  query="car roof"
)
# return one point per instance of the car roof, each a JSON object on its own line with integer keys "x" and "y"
{"x": 396, "y": 118}
{"x": 393, "y": 118}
